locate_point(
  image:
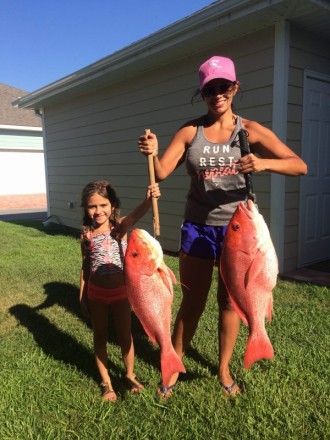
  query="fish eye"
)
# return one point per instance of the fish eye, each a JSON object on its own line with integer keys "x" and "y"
{"x": 134, "y": 254}
{"x": 236, "y": 226}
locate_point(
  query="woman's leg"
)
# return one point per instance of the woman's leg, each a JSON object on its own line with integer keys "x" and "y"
{"x": 195, "y": 279}
{"x": 99, "y": 315}
{"x": 229, "y": 324}
{"x": 122, "y": 320}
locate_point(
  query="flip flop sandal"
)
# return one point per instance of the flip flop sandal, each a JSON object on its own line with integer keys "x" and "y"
{"x": 107, "y": 392}
{"x": 164, "y": 392}
{"x": 132, "y": 384}
{"x": 232, "y": 390}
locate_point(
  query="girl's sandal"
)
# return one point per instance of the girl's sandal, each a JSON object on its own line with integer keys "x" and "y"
{"x": 107, "y": 392}
{"x": 132, "y": 384}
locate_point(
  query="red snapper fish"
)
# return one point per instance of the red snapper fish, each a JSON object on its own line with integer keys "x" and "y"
{"x": 249, "y": 268}
{"x": 150, "y": 291}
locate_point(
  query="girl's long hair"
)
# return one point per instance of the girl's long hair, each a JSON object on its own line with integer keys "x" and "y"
{"x": 106, "y": 190}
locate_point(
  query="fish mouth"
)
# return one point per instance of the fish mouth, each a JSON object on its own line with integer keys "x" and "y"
{"x": 249, "y": 208}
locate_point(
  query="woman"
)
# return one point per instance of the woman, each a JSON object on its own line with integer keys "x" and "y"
{"x": 209, "y": 146}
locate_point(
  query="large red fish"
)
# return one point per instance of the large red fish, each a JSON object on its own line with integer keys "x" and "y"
{"x": 249, "y": 268}
{"x": 150, "y": 291}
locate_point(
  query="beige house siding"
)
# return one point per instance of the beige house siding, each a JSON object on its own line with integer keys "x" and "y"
{"x": 95, "y": 135}
{"x": 307, "y": 51}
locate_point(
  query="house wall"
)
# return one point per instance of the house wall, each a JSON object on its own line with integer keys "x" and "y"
{"x": 307, "y": 52}
{"x": 95, "y": 135}
{"x": 22, "y": 165}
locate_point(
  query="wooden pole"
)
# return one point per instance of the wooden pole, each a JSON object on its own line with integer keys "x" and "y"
{"x": 152, "y": 180}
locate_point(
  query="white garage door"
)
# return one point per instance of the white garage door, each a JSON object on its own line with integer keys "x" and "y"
{"x": 22, "y": 173}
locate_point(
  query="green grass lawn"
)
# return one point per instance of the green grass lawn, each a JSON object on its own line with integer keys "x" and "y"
{"x": 49, "y": 383}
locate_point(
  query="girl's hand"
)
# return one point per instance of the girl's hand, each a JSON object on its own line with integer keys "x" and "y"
{"x": 148, "y": 144}
{"x": 153, "y": 191}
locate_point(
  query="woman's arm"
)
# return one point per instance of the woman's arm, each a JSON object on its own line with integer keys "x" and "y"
{"x": 174, "y": 154}
{"x": 275, "y": 156}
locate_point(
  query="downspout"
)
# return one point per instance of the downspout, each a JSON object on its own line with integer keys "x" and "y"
{"x": 280, "y": 116}
{"x": 40, "y": 112}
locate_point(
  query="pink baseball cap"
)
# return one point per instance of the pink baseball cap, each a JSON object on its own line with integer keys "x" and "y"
{"x": 216, "y": 67}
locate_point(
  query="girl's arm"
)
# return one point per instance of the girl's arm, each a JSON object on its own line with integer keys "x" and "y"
{"x": 84, "y": 277}
{"x": 275, "y": 156}
{"x": 127, "y": 222}
{"x": 174, "y": 154}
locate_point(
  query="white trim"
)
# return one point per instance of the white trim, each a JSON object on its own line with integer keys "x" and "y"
{"x": 280, "y": 112}
{"x": 316, "y": 75}
{"x": 20, "y": 128}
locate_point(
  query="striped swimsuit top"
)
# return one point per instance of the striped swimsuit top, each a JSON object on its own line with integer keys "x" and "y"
{"x": 107, "y": 254}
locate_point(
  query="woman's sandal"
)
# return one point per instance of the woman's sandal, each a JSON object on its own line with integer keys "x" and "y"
{"x": 231, "y": 391}
{"x": 164, "y": 392}
{"x": 107, "y": 392}
{"x": 132, "y": 384}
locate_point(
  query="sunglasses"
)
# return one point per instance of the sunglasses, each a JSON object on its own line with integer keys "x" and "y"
{"x": 218, "y": 90}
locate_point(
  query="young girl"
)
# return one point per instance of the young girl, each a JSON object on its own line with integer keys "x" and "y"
{"x": 104, "y": 242}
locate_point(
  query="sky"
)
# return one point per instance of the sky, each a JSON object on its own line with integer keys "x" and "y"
{"x": 42, "y": 41}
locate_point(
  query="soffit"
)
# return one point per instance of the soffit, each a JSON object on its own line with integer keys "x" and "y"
{"x": 219, "y": 22}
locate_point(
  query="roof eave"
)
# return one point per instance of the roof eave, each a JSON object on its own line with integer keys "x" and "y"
{"x": 139, "y": 57}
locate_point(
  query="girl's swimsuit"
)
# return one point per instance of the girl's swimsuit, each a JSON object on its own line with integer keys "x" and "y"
{"x": 106, "y": 295}
{"x": 107, "y": 258}
{"x": 107, "y": 254}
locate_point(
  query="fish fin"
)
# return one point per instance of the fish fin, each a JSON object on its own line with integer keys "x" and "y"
{"x": 150, "y": 336}
{"x": 258, "y": 348}
{"x": 145, "y": 328}
{"x": 166, "y": 275}
{"x": 170, "y": 363}
{"x": 171, "y": 274}
{"x": 269, "y": 311}
{"x": 256, "y": 266}
{"x": 239, "y": 311}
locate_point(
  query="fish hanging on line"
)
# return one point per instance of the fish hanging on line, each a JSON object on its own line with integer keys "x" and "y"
{"x": 149, "y": 284}
{"x": 249, "y": 269}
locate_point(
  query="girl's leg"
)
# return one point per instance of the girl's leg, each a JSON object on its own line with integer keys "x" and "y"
{"x": 195, "y": 279}
{"x": 122, "y": 321}
{"x": 99, "y": 315}
{"x": 229, "y": 324}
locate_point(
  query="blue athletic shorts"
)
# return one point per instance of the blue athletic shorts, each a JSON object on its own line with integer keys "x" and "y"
{"x": 202, "y": 241}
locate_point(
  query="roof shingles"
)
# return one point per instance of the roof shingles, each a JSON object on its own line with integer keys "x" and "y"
{"x": 10, "y": 115}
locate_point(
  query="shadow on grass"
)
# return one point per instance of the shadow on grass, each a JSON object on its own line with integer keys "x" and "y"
{"x": 47, "y": 228}
{"x": 66, "y": 295}
{"x": 53, "y": 341}
{"x": 61, "y": 346}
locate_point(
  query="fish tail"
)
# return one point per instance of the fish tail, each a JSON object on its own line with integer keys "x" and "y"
{"x": 258, "y": 347}
{"x": 170, "y": 364}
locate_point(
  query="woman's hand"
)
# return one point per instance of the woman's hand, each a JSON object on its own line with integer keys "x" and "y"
{"x": 148, "y": 144}
{"x": 252, "y": 164}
